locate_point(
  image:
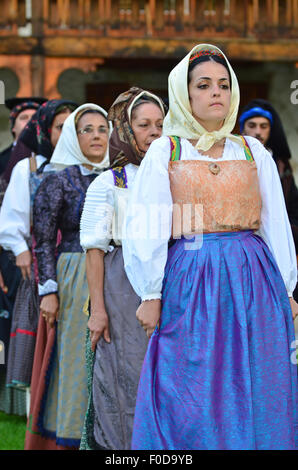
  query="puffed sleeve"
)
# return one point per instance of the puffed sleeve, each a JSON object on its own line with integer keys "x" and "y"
{"x": 97, "y": 215}
{"x": 275, "y": 228}
{"x": 15, "y": 210}
{"x": 47, "y": 207}
{"x": 149, "y": 222}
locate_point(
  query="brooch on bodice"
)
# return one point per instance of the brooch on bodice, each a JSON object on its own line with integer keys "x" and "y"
{"x": 214, "y": 168}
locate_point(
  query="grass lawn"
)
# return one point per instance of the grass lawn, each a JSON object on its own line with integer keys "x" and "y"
{"x": 12, "y": 432}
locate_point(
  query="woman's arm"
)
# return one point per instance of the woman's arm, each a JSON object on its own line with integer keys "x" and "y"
{"x": 148, "y": 223}
{"x": 98, "y": 322}
{"x": 95, "y": 237}
{"x": 275, "y": 228}
{"x": 15, "y": 217}
{"x": 47, "y": 208}
{"x": 148, "y": 229}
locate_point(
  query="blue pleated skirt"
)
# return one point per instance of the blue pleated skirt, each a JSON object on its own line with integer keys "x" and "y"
{"x": 221, "y": 370}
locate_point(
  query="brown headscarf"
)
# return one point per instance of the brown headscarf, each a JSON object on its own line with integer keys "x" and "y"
{"x": 123, "y": 147}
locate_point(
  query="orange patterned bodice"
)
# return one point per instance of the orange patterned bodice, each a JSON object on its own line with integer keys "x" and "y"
{"x": 219, "y": 196}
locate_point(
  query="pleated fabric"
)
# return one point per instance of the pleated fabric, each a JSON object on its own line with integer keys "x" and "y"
{"x": 66, "y": 396}
{"x": 23, "y": 334}
{"x": 220, "y": 373}
{"x": 117, "y": 365}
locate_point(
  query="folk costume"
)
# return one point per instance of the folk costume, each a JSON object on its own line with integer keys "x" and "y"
{"x": 59, "y": 376}
{"x": 15, "y": 235}
{"x": 218, "y": 372}
{"x": 115, "y": 367}
{"x": 12, "y": 401}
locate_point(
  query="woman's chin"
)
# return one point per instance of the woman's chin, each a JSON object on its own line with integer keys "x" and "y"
{"x": 95, "y": 158}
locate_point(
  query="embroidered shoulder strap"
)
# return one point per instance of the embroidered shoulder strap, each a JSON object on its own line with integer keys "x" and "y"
{"x": 175, "y": 148}
{"x": 120, "y": 179}
{"x": 32, "y": 164}
{"x": 247, "y": 151}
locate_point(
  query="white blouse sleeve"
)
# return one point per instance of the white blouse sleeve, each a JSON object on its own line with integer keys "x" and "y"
{"x": 275, "y": 228}
{"x": 149, "y": 222}
{"x": 97, "y": 215}
{"x": 15, "y": 210}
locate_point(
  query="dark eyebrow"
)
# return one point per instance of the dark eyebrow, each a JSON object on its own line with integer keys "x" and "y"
{"x": 91, "y": 125}
{"x": 208, "y": 78}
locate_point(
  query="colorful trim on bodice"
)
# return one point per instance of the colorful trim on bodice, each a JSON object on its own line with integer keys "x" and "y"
{"x": 176, "y": 149}
{"x": 120, "y": 178}
{"x": 248, "y": 155}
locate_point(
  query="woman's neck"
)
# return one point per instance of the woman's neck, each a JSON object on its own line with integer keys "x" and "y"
{"x": 210, "y": 126}
{"x": 216, "y": 151}
{"x": 89, "y": 167}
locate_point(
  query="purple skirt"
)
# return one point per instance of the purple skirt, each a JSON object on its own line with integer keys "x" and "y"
{"x": 220, "y": 372}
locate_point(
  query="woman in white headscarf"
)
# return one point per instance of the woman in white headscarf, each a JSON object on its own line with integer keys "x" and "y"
{"x": 117, "y": 339}
{"x": 60, "y": 383}
{"x": 219, "y": 371}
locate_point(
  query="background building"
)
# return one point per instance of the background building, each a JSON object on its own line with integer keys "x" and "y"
{"x": 91, "y": 50}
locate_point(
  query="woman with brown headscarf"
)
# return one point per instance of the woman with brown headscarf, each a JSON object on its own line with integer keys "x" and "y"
{"x": 116, "y": 339}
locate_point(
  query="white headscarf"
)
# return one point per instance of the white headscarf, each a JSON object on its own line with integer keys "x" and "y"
{"x": 179, "y": 120}
{"x": 145, "y": 93}
{"x": 68, "y": 151}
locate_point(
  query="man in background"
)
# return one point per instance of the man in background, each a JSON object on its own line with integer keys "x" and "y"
{"x": 21, "y": 111}
{"x": 259, "y": 119}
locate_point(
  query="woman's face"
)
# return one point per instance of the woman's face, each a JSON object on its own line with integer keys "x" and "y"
{"x": 93, "y": 136}
{"x": 210, "y": 94}
{"x": 57, "y": 126}
{"x": 146, "y": 123}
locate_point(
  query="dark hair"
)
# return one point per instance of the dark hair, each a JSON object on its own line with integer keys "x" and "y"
{"x": 143, "y": 100}
{"x": 206, "y": 58}
{"x": 65, "y": 107}
{"x": 89, "y": 111}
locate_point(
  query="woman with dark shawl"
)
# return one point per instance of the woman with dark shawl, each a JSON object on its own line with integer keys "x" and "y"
{"x": 41, "y": 134}
{"x": 59, "y": 379}
{"x": 12, "y": 401}
{"x": 115, "y": 336}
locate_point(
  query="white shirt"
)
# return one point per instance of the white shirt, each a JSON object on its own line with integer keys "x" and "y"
{"x": 15, "y": 210}
{"x": 15, "y": 214}
{"x": 104, "y": 210}
{"x": 145, "y": 258}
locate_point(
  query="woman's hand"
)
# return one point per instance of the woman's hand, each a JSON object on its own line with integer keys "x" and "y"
{"x": 148, "y": 315}
{"x": 49, "y": 308}
{"x": 98, "y": 325}
{"x": 294, "y": 307}
{"x": 23, "y": 261}
{"x": 2, "y": 285}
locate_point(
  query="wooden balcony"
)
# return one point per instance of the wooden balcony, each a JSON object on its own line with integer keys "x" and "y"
{"x": 153, "y": 27}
